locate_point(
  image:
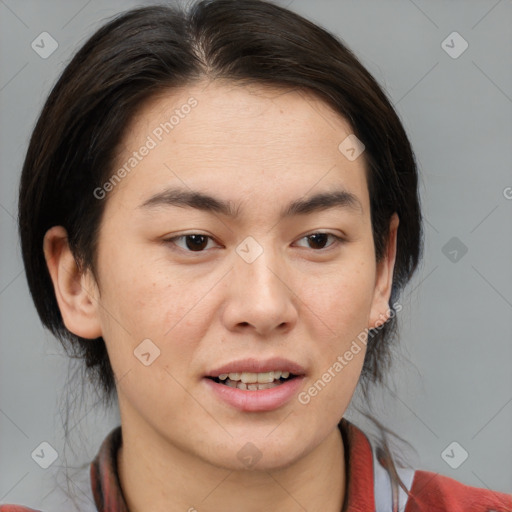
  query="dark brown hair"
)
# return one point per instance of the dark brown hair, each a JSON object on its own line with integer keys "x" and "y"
{"x": 149, "y": 50}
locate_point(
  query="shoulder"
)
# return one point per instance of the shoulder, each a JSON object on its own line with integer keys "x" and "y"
{"x": 433, "y": 492}
{"x": 16, "y": 508}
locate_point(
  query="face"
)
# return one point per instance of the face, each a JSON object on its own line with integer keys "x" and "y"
{"x": 187, "y": 292}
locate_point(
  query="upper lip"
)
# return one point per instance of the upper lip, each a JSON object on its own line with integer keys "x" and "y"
{"x": 252, "y": 365}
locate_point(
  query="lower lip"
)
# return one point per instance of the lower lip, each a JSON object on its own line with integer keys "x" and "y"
{"x": 256, "y": 401}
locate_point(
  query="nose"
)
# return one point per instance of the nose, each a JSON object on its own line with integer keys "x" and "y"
{"x": 260, "y": 295}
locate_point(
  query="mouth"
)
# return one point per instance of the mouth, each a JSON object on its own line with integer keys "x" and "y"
{"x": 247, "y": 381}
{"x": 253, "y": 385}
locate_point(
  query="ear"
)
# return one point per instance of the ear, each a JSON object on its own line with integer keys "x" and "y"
{"x": 76, "y": 292}
{"x": 384, "y": 278}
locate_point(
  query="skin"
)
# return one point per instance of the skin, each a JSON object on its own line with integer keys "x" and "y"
{"x": 260, "y": 148}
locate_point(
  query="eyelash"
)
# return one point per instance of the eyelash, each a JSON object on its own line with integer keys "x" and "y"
{"x": 338, "y": 241}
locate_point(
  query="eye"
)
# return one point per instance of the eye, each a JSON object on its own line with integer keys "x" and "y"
{"x": 197, "y": 242}
{"x": 319, "y": 239}
{"x": 194, "y": 242}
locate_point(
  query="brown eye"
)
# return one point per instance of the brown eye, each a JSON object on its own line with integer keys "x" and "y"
{"x": 195, "y": 242}
{"x": 318, "y": 241}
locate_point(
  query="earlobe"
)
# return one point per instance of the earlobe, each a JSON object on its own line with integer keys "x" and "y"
{"x": 384, "y": 279}
{"x": 76, "y": 292}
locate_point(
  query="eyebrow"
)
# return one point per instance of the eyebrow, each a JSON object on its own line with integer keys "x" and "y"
{"x": 193, "y": 199}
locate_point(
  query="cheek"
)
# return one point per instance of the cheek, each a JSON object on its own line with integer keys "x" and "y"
{"x": 152, "y": 306}
{"x": 341, "y": 315}
{"x": 342, "y": 299}
{"x": 340, "y": 308}
{"x": 145, "y": 311}
{"x": 140, "y": 289}
{"x": 148, "y": 301}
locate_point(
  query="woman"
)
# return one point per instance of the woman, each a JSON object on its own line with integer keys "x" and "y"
{"x": 220, "y": 220}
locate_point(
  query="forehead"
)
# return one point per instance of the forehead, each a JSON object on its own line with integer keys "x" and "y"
{"x": 245, "y": 139}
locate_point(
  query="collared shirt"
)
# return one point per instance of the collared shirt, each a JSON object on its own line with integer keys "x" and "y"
{"x": 368, "y": 486}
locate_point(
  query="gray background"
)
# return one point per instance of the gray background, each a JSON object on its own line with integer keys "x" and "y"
{"x": 452, "y": 379}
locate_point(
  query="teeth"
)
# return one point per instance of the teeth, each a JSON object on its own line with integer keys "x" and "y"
{"x": 266, "y": 377}
{"x": 253, "y": 381}
{"x": 268, "y": 385}
{"x": 249, "y": 377}
{"x": 253, "y": 378}
{"x": 256, "y": 387}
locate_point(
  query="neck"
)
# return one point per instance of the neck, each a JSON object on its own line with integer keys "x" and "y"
{"x": 156, "y": 475}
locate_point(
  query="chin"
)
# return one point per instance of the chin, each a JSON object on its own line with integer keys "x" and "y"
{"x": 257, "y": 453}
